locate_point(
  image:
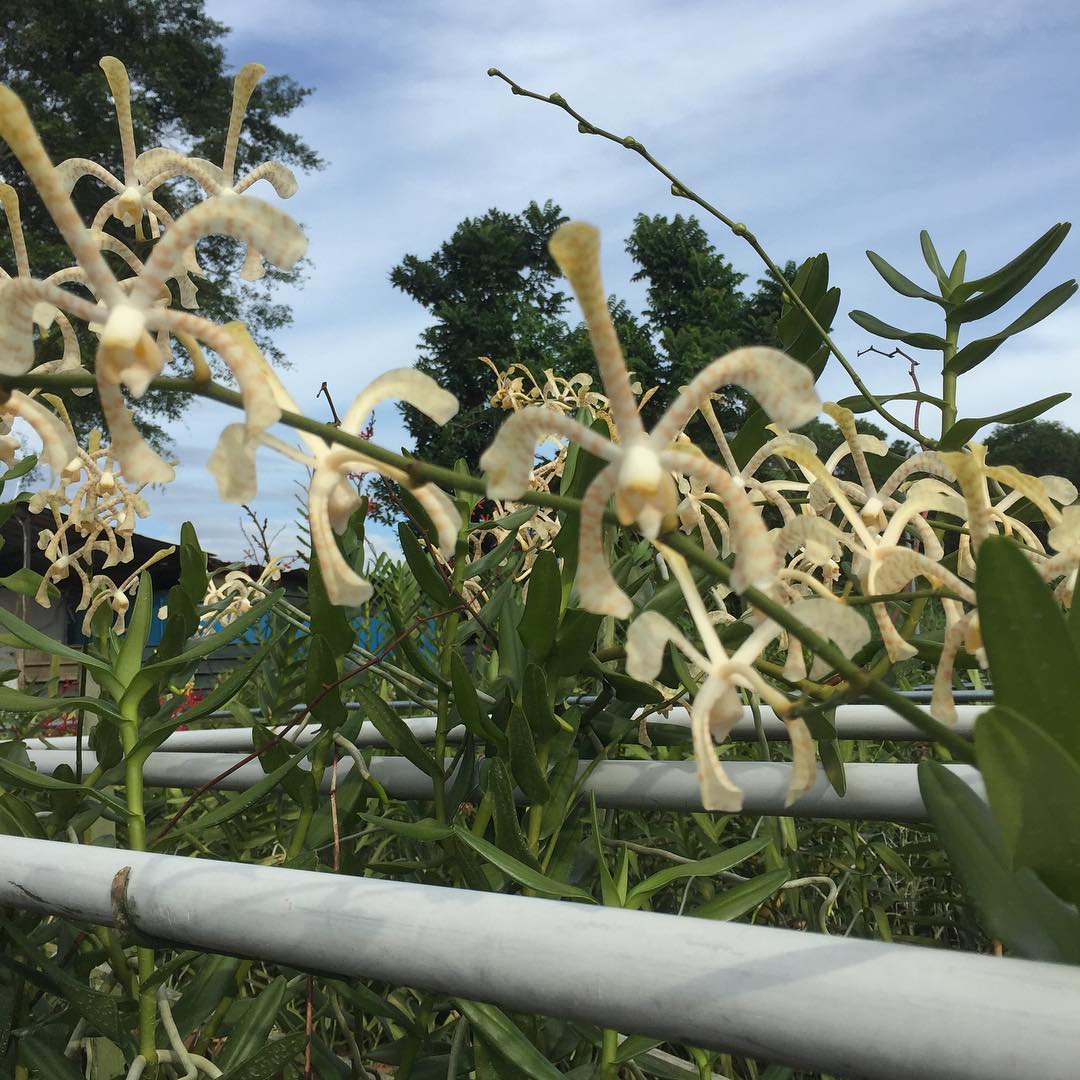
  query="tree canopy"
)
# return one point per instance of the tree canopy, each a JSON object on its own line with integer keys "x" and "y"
{"x": 181, "y": 95}
{"x": 493, "y": 290}
{"x": 1039, "y": 448}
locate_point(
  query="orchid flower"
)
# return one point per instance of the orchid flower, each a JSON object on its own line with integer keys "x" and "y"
{"x": 45, "y": 315}
{"x": 640, "y": 464}
{"x": 127, "y": 353}
{"x": 717, "y": 706}
{"x": 162, "y": 164}
{"x": 332, "y": 497}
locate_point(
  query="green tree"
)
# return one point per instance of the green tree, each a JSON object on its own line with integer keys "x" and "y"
{"x": 694, "y": 307}
{"x": 181, "y": 95}
{"x": 491, "y": 289}
{"x": 1039, "y": 448}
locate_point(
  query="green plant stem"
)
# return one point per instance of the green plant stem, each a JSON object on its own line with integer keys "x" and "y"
{"x": 681, "y": 190}
{"x": 948, "y": 378}
{"x": 446, "y": 653}
{"x": 136, "y": 821}
{"x": 609, "y": 1049}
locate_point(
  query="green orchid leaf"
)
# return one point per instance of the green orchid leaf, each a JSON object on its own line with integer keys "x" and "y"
{"x": 975, "y": 352}
{"x": 522, "y": 874}
{"x": 915, "y": 339}
{"x": 985, "y": 295}
{"x": 1032, "y": 782}
{"x": 1014, "y": 905}
{"x": 933, "y": 263}
{"x": 964, "y": 430}
{"x": 899, "y": 283}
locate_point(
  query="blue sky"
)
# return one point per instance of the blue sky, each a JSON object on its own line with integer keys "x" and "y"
{"x": 825, "y": 127}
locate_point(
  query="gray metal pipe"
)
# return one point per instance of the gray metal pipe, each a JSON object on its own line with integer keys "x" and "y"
{"x": 873, "y": 722}
{"x": 851, "y": 1008}
{"x": 876, "y": 792}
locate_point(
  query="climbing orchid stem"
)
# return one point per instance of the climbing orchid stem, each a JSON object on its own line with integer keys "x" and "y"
{"x": 681, "y": 190}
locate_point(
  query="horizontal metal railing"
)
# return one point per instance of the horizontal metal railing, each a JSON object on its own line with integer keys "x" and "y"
{"x": 871, "y": 722}
{"x": 842, "y": 1006}
{"x": 885, "y": 792}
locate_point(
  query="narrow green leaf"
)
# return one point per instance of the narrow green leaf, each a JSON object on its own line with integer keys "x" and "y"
{"x": 20, "y": 702}
{"x": 914, "y": 338}
{"x": 26, "y": 582}
{"x": 561, "y": 781}
{"x": 214, "y": 978}
{"x": 522, "y": 874}
{"x": 540, "y": 621}
{"x": 20, "y": 777}
{"x": 250, "y": 1035}
{"x": 536, "y": 704}
{"x": 426, "y": 830}
{"x": 100, "y": 1011}
{"x": 858, "y": 403}
{"x": 396, "y": 732}
{"x": 975, "y": 352}
{"x": 740, "y": 899}
{"x": 508, "y": 833}
{"x": 997, "y": 289}
{"x": 506, "y": 1040}
{"x": 468, "y": 705}
{"x": 609, "y": 891}
{"x": 1034, "y": 665}
{"x": 237, "y": 804}
{"x": 268, "y": 1063}
{"x": 956, "y": 276}
{"x": 933, "y": 263}
{"x": 964, "y": 430}
{"x": 130, "y": 657}
{"x": 1014, "y": 906}
{"x": 487, "y": 563}
{"x": 725, "y": 860}
{"x": 427, "y": 577}
{"x": 35, "y": 639}
{"x": 524, "y": 763}
{"x": 151, "y": 674}
{"x": 832, "y": 762}
{"x": 322, "y": 687}
{"x": 899, "y": 283}
{"x": 1032, "y": 782}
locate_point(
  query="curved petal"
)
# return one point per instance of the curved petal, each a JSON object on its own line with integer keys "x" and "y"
{"x": 232, "y": 464}
{"x": 243, "y": 87}
{"x": 58, "y": 444}
{"x": 405, "y": 384}
{"x": 17, "y": 130}
{"x": 575, "y": 247}
{"x": 834, "y": 620}
{"x": 783, "y": 387}
{"x": 274, "y": 234}
{"x": 597, "y": 590}
{"x": 508, "y": 461}
{"x": 716, "y": 707}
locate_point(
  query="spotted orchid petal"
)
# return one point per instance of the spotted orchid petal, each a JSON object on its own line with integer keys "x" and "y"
{"x": 508, "y": 461}
{"x": 783, "y": 388}
{"x": 58, "y": 448}
{"x": 833, "y": 620}
{"x": 575, "y": 247}
{"x": 647, "y": 641}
